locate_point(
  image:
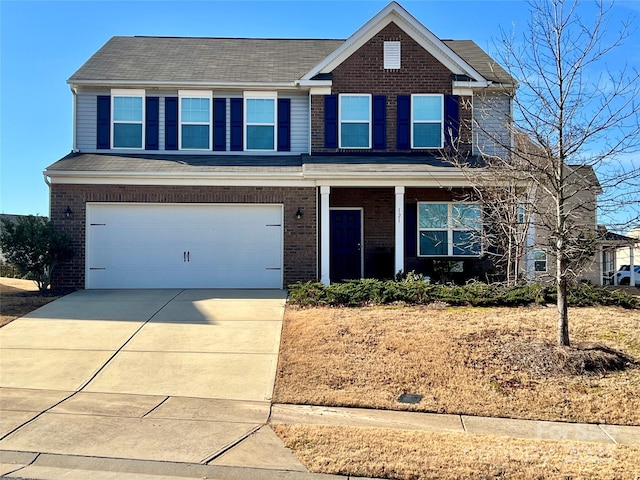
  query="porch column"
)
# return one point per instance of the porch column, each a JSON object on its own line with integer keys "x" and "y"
{"x": 632, "y": 267}
{"x": 601, "y": 269}
{"x": 324, "y": 235}
{"x": 399, "y": 219}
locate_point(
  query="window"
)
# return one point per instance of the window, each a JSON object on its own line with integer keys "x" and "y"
{"x": 128, "y": 118}
{"x": 260, "y": 121}
{"x": 449, "y": 229}
{"x": 391, "y": 55}
{"x": 355, "y": 121}
{"x": 427, "y": 112}
{"x": 195, "y": 120}
{"x": 540, "y": 260}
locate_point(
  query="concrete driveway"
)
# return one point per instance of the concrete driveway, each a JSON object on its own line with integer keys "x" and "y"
{"x": 170, "y": 375}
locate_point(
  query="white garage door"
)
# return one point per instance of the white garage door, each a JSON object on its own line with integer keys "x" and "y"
{"x": 184, "y": 246}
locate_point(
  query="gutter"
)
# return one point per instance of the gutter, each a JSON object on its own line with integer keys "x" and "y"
{"x": 187, "y": 84}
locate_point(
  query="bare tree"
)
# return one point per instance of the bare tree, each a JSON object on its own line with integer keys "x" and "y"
{"x": 572, "y": 116}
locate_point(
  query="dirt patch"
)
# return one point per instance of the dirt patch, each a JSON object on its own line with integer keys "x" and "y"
{"x": 397, "y": 454}
{"x": 499, "y": 362}
{"x": 19, "y": 297}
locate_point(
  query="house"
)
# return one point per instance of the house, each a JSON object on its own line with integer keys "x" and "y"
{"x": 256, "y": 163}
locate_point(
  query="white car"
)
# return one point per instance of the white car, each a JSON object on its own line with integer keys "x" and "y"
{"x": 624, "y": 276}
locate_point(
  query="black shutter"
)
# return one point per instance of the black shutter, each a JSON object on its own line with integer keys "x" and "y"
{"x": 103, "y": 127}
{"x": 171, "y": 123}
{"x": 152, "y": 120}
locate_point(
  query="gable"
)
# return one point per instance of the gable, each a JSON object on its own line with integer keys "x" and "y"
{"x": 394, "y": 13}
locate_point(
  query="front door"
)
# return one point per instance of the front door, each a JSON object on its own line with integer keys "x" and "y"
{"x": 345, "y": 244}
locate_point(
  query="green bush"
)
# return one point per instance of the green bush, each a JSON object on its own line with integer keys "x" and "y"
{"x": 413, "y": 291}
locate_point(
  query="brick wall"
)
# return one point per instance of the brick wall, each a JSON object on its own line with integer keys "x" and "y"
{"x": 364, "y": 72}
{"x": 300, "y": 247}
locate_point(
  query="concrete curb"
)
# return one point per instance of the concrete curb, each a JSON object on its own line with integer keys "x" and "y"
{"x": 59, "y": 463}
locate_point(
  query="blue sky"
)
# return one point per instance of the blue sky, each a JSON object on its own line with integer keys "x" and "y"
{"x": 43, "y": 43}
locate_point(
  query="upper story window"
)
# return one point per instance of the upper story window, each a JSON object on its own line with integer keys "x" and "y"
{"x": 427, "y": 113}
{"x": 355, "y": 121}
{"x": 449, "y": 229}
{"x": 540, "y": 260}
{"x": 260, "y": 121}
{"x": 128, "y": 118}
{"x": 195, "y": 120}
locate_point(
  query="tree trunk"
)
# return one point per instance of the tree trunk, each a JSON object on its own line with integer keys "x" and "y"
{"x": 563, "y": 314}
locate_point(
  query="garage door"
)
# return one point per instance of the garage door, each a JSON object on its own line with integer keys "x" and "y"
{"x": 184, "y": 246}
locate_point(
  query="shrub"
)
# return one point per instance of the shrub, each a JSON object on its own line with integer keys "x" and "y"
{"x": 413, "y": 291}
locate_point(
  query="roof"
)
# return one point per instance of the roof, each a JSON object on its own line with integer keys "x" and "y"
{"x": 191, "y": 60}
{"x": 480, "y": 60}
{"x": 211, "y": 60}
{"x": 172, "y": 163}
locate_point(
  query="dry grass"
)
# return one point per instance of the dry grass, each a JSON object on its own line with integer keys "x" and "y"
{"x": 397, "y": 454}
{"x": 491, "y": 362}
{"x": 19, "y": 297}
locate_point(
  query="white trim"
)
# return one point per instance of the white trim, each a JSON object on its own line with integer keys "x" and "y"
{"x": 208, "y": 94}
{"x": 413, "y": 122}
{"x": 134, "y": 93}
{"x": 340, "y": 121}
{"x": 423, "y": 36}
{"x": 254, "y": 95}
{"x": 361, "y": 210}
{"x": 320, "y": 91}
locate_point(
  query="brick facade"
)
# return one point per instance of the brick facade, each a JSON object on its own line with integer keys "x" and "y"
{"x": 363, "y": 72}
{"x": 300, "y": 244}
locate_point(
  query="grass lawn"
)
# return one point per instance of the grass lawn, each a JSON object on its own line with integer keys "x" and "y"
{"x": 410, "y": 455}
{"x": 499, "y": 362}
{"x": 19, "y": 297}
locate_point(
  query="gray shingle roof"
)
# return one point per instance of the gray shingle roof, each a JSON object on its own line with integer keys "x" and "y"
{"x": 211, "y": 60}
{"x": 227, "y": 60}
{"x": 479, "y": 60}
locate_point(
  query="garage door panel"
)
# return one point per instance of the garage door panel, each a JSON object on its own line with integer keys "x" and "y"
{"x": 184, "y": 246}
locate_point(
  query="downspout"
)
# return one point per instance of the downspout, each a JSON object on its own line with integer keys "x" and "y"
{"x": 74, "y": 147}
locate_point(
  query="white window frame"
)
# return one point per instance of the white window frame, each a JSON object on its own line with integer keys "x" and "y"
{"x": 127, "y": 92}
{"x": 450, "y": 229}
{"x": 182, "y": 94}
{"x": 535, "y": 260}
{"x": 414, "y": 122}
{"x": 340, "y": 121}
{"x": 246, "y": 124}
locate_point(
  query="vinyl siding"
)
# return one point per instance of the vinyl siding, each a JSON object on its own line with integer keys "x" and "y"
{"x": 86, "y": 119}
{"x": 491, "y": 114}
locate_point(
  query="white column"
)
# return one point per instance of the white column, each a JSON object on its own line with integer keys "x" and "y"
{"x": 601, "y": 262}
{"x": 399, "y": 219}
{"x": 632, "y": 267}
{"x": 324, "y": 235}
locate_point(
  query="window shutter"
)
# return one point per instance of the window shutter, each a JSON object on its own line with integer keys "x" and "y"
{"x": 380, "y": 122}
{"x": 219, "y": 124}
{"x": 410, "y": 229}
{"x": 451, "y": 119}
{"x": 404, "y": 122}
{"x": 236, "y": 124}
{"x": 284, "y": 124}
{"x": 152, "y": 127}
{"x": 171, "y": 123}
{"x": 331, "y": 121}
{"x": 103, "y": 127}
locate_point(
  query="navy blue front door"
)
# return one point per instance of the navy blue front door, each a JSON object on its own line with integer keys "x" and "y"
{"x": 345, "y": 238}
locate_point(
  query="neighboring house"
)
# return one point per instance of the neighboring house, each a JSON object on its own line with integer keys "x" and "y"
{"x": 218, "y": 162}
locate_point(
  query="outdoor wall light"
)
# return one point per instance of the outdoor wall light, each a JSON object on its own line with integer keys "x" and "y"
{"x": 68, "y": 212}
{"x": 299, "y": 214}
